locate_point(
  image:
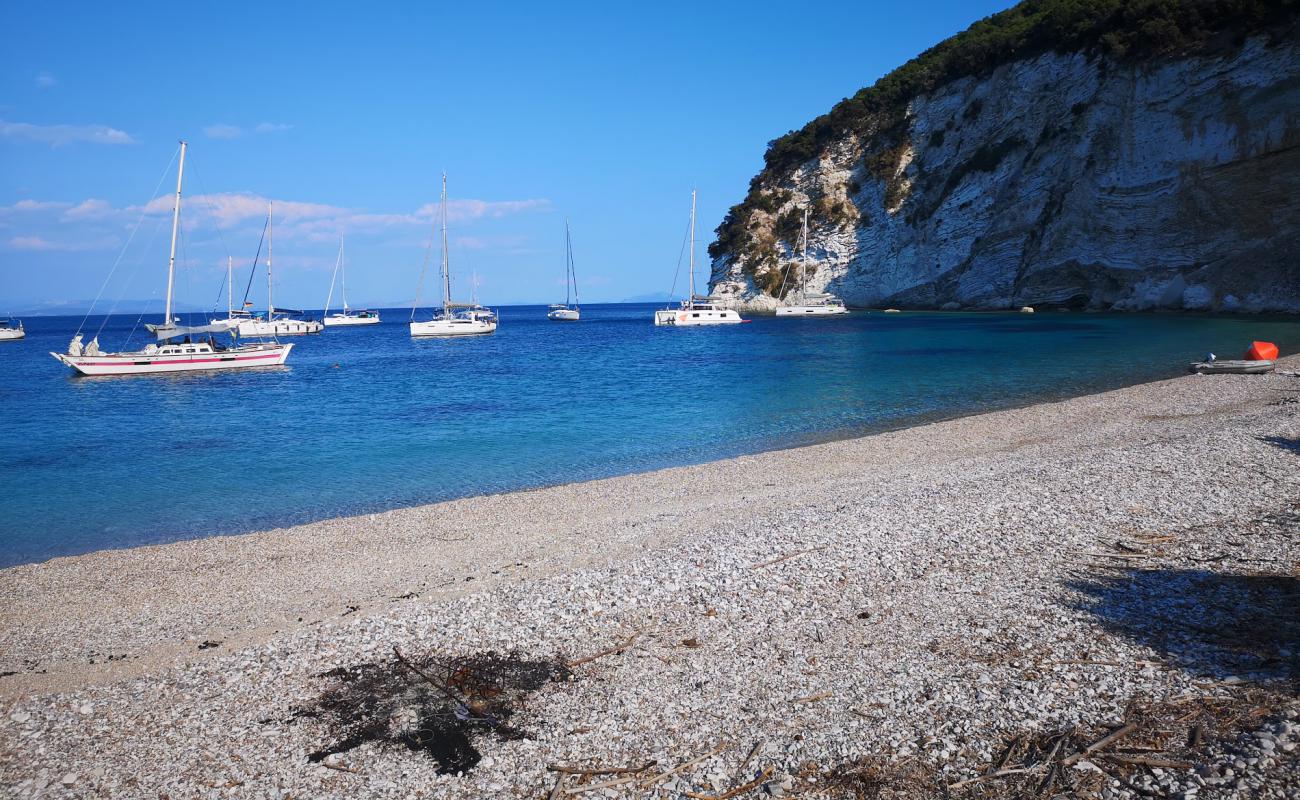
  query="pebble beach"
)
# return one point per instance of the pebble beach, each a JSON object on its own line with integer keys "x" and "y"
{"x": 1096, "y": 598}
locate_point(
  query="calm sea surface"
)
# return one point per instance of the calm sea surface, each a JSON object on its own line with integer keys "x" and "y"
{"x": 368, "y": 419}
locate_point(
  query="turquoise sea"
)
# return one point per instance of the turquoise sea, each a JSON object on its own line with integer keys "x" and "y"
{"x": 368, "y": 419}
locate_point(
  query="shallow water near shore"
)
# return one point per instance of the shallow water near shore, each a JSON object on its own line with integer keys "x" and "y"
{"x": 368, "y": 419}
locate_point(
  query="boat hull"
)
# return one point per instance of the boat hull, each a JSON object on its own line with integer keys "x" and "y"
{"x": 12, "y": 335}
{"x": 141, "y": 364}
{"x": 810, "y": 311}
{"x": 280, "y": 327}
{"x": 455, "y": 327}
{"x": 335, "y": 320}
{"x": 1240, "y": 367}
{"x": 688, "y": 319}
{"x": 564, "y": 315}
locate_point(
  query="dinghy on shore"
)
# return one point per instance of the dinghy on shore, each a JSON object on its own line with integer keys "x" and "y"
{"x": 1218, "y": 367}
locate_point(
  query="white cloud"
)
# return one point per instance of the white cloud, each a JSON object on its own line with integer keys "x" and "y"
{"x": 58, "y": 135}
{"x": 34, "y": 205}
{"x": 89, "y": 209}
{"x": 41, "y": 243}
{"x": 272, "y": 127}
{"x": 222, "y": 131}
{"x": 46, "y": 81}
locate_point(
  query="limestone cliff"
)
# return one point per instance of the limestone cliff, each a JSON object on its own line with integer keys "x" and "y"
{"x": 1080, "y": 178}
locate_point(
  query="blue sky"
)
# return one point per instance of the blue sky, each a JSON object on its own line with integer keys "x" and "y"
{"x": 345, "y": 115}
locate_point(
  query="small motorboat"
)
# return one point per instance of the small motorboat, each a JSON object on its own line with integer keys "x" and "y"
{"x": 1231, "y": 367}
{"x": 11, "y": 331}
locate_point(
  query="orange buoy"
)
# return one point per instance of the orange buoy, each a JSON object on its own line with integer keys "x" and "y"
{"x": 1262, "y": 351}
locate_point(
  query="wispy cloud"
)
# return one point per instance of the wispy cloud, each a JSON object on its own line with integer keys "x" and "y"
{"x": 58, "y": 135}
{"x": 89, "y": 209}
{"x": 46, "y": 81}
{"x": 222, "y": 131}
{"x": 272, "y": 127}
{"x": 41, "y": 243}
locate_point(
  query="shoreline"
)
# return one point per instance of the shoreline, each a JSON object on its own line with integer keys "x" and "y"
{"x": 932, "y": 532}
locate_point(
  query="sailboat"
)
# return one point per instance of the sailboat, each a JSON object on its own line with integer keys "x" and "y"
{"x": 11, "y": 330}
{"x": 186, "y": 356}
{"x": 282, "y": 322}
{"x": 347, "y": 316}
{"x": 696, "y": 310}
{"x": 805, "y": 304}
{"x": 566, "y": 312}
{"x": 454, "y": 319}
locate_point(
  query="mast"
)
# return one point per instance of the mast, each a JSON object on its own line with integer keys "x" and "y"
{"x": 343, "y": 267}
{"x": 572, "y": 272}
{"x": 270, "y": 246}
{"x": 691, "y": 297}
{"x": 230, "y": 296}
{"x": 176, "y": 222}
{"x": 803, "y": 267}
{"x": 446, "y": 274}
{"x": 568, "y": 261}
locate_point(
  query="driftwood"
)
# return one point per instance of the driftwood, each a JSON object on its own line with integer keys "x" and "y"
{"x": 813, "y": 698}
{"x": 618, "y": 648}
{"x": 735, "y": 775}
{"x": 1103, "y": 742}
{"x": 668, "y": 774}
{"x": 786, "y": 557}
{"x": 600, "y": 770}
{"x": 1002, "y": 773}
{"x": 739, "y": 790}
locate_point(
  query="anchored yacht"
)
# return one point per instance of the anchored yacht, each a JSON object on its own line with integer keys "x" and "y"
{"x": 453, "y": 319}
{"x": 696, "y": 310}
{"x": 347, "y": 316}
{"x": 185, "y": 356}
{"x": 566, "y": 312}
{"x": 803, "y": 303}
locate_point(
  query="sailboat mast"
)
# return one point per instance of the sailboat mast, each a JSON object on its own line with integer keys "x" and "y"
{"x": 803, "y": 268}
{"x": 568, "y": 262}
{"x": 230, "y": 290}
{"x": 343, "y": 267}
{"x": 572, "y": 271}
{"x": 446, "y": 272}
{"x": 270, "y": 247}
{"x": 176, "y": 223}
{"x": 692, "y": 295}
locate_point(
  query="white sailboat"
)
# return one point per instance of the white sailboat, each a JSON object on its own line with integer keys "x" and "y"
{"x": 454, "y": 319}
{"x": 567, "y": 312}
{"x": 276, "y": 323}
{"x": 805, "y": 304}
{"x": 347, "y": 316}
{"x": 184, "y": 356}
{"x": 696, "y": 310}
{"x": 11, "y": 330}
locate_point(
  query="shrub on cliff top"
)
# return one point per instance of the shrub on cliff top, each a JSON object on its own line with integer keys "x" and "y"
{"x": 1122, "y": 29}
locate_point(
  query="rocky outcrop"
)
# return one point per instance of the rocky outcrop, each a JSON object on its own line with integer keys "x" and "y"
{"x": 1064, "y": 179}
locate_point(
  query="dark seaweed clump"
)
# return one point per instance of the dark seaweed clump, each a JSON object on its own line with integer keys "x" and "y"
{"x": 438, "y": 706}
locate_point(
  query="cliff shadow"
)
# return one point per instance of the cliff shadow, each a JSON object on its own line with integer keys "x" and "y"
{"x": 1208, "y": 623}
{"x": 1283, "y": 443}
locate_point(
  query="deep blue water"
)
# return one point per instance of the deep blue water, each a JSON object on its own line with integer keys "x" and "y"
{"x": 368, "y": 419}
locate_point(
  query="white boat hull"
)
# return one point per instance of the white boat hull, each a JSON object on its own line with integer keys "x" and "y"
{"x": 687, "y": 318}
{"x": 12, "y": 334}
{"x": 280, "y": 327}
{"x": 809, "y": 311}
{"x": 564, "y": 314}
{"x": 453, "y": 327}
{"x": 270, "y": 355}
{"x": 339, "y": 319}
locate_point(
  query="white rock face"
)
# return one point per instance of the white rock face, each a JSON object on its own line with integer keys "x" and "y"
{"x": 1063, "y": 180}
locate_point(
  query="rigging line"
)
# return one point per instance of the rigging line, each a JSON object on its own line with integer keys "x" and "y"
{"x": 127, "y": 285}
{"x": 201, "y": 198}
{"x": 253, "y": 269}
{"x": 428, "y": 253}
{"x": 678, "y": 272}
{"x": 143, "y": 210}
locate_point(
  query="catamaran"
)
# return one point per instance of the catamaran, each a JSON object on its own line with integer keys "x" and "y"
{"x": 696, "y": 310}
{"x": 455, "y": 319}
{"x": 186, "y": 356}
{"x": 11, "y": 330}
{"x": 282, "y": 322}
{"x": 804, "y": 303}
{"x": 566, "y": 312}
{"x": 347, "y": 316}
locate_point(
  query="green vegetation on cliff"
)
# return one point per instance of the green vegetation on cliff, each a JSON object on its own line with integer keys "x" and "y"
{"x": 1124, "y": 30}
